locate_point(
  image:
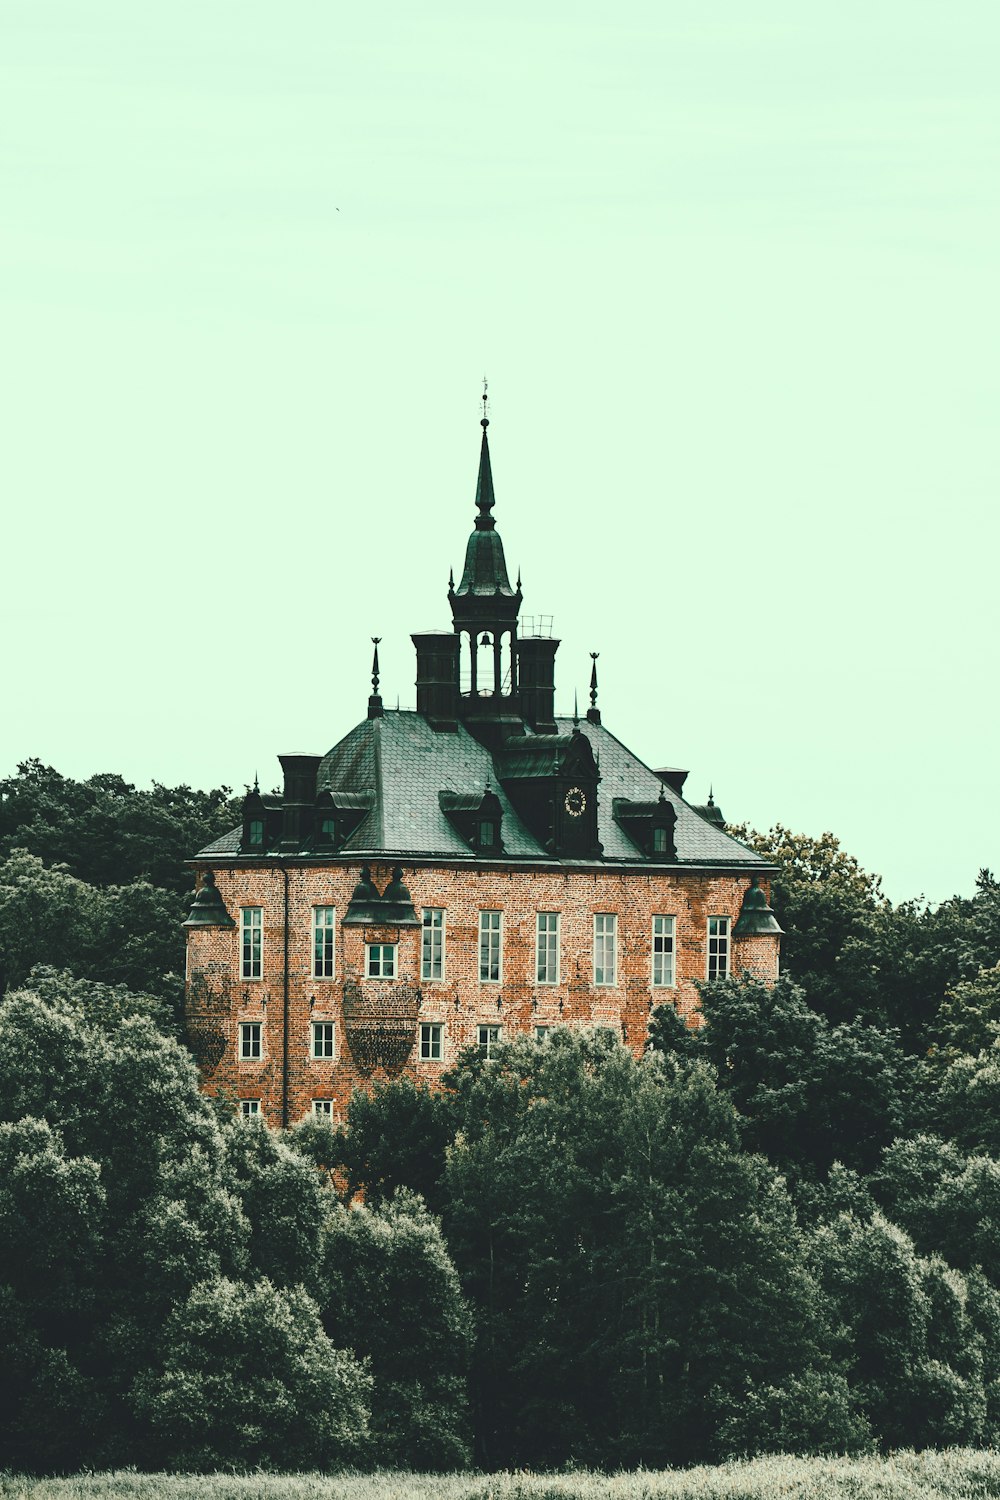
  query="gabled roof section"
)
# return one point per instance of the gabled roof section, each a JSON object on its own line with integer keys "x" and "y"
{"x": 400, "y": 766}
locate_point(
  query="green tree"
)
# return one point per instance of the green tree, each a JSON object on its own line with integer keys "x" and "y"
{"x": 914, "y": 1356}
{"x": 633, "y": 1273}
{"x": 391, "y": 1293}
{"x": 396, "y": 1136}
{"x": 969, "y": 1018}
{"x": 949, "y": 1203}
{"x": 52, "y": 1225}
{"x": 808, "y": 1093}
{"x": 105, "y": 831}
{"x": 282, "y": 1198}
{"x": 249, "y": 1378}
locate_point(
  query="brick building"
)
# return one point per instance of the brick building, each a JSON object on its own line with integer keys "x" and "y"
{"x": 452, "y": 875}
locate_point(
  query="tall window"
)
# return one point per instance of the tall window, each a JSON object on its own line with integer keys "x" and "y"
{"x": 663, "y": 952}
{"x": 432, "y": 945}
{"x": 323, "y": 1039}
{"x": 547, "y": 948}
{"x": 324, "y": 918}
{"x": 381, "y": 960}
{"x": 252, "y": 932}
{"x": 489, "y": 1037}
{"x": 490, "y": 944}
{"x": 659, "y": 841}
{"x": 256, "y": 842}
{"x": 718, "y": 947}
{"x": 605, "y": 947}
{"x": 430, "y": 1041}
{"x": 249, "y": 1041}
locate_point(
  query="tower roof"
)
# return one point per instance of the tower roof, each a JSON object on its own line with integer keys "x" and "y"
{"x": 485, "y": 571}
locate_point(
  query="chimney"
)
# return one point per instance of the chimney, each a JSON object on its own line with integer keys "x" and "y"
{"x": 536, "y": 681}
{"x": 437, "y": 677}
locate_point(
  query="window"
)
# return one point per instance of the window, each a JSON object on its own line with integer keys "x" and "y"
{"x": 252, "y": 930}
{"x": 249, "y": 1109}
{"x": 605, "y": 947}
{"x": 432, "y": 945}
{"x": 381, "y": 963}
{"x": 250, "y": 1041}
{"x": 718, "y": 947}
{"x": 490, "y": 936}
{"x": 542, "y": 1033}
{"x": 663, "y": 952}
{"x": 324, "y": 918}
{"x": 323, "y": 1039}
{"x": 487, "y": 835}
{"x": 430, "y": 1041}
{"x": 547, "y": 948}
{"x": 322, "y": 1109}
{"x": 489, "y": 1037}
{"x": 659, "y": 841}
{"x": 256, "y": 841}
{"x": 328, "y": 830}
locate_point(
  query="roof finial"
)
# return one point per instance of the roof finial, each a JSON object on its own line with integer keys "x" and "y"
{"x": 484, "y": 487}
{"x": 375, "y": 702}
{"x": 593, "y": 712}
{"x": 256, "y": 784}
{"x": 711, "y": 799}
{"x": 576, "y": 708}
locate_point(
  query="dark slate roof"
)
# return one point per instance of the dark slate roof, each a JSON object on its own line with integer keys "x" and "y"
{"x": 405, "y": 764}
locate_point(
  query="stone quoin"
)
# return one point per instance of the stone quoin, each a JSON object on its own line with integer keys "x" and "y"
{"x": 459, "y": 874}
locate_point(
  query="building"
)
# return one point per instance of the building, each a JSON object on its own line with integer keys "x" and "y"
{"x": 449, "y": 876}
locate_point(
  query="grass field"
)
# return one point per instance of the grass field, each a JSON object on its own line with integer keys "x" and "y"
{"x": 957, "y": 1474}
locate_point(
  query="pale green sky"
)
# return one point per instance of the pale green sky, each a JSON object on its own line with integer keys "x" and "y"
{"x": 732, "y": 272}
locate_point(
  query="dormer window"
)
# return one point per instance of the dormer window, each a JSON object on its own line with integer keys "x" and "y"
{"x": 328, "y": 830}
{"x": 487, "y": 835}
{"x": 255, "y": 833}
{"x": 660, "y": 841}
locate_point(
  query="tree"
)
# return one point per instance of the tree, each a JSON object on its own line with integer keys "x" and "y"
{"x": 969, "y": 1018}
{"x": 949, "y": 1203}
{"x": 633, "y": 1273}
{"x": 807, "y": 1093}
{"x": 249, "y": 1378}
{"x": 396, "y": 1136}
{"x": 282, "y": 1198}
{"x": 915, "y": 1357}
{"x": 105, "y": 831}
{"x": 390, "y": 1293}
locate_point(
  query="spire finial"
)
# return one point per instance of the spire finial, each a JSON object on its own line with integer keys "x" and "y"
{"x": 256, "y": 784}
{"x": 593, "y": 712}
{"x": 485, "y": 422}
{"x": 711, "y": 798}
{"x": 576, "y": 708}
{"x": 375, "y": 702}
{"x": 484, "y": 486}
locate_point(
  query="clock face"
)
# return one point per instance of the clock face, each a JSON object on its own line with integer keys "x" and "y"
{"x": 576, "y": 801}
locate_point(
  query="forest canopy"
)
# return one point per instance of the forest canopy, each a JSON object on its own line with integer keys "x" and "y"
{"x": 776, "y": 1232}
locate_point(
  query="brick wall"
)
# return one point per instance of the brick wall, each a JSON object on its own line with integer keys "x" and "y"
{"x": 218, "y": 1000}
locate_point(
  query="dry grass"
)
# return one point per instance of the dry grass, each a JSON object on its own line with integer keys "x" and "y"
{"x": 957, "y": 1474}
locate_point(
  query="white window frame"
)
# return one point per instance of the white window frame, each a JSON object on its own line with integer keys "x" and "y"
{"x": 664, "y": 959}
{"x": 251, "y": 1036}
{"x": 324, "y": 942}
{"x": 251, "y": 928}
{"x": 490, "y": 946}
{"x": 383, "y": 948}
{"x": 249, "y": 1109}
{"x": 547, "y": 945}
{"x": 542, "y": 1033}
{"x": 323, "y": 1109}
{"x": 488, "y": 1036}
{"x": 717, "y": 948}
{"x": 431, "y": 1035}
{"x": 603, "y": 935}
{"x": 322, "y": 1035}
{"x": 432, "y": 931}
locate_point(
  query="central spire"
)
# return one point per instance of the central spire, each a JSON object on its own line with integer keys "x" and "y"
{"x": 485, "y": 498}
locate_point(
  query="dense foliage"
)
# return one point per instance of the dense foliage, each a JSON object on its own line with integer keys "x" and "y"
{"x": 775, "y": 1232}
